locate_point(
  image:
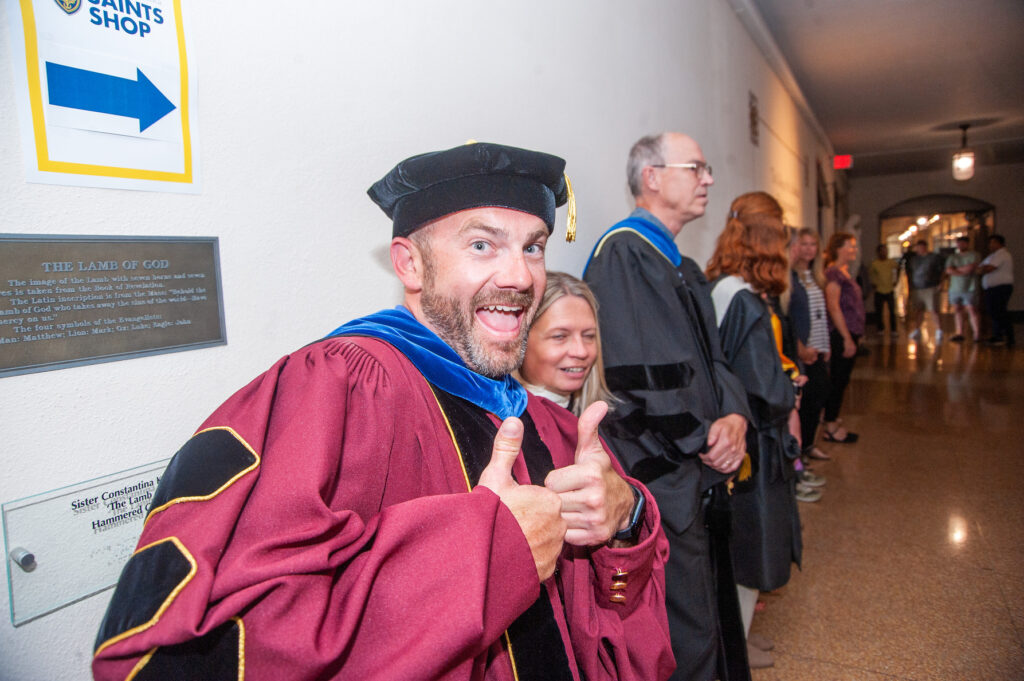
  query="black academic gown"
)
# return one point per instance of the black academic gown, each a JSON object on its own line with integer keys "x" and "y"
{"x": 765, "y": 537}
{"x": 663, "y": 360}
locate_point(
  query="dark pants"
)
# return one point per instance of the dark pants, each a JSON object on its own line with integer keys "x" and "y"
{"x": 814, "y": 395}
{"x": 840, "y": 369}
{"x": 996, "y": 300}
{"x": 880, "y": 300}
{"x": 692, "y": 604}
{"x": 732, "y": 645}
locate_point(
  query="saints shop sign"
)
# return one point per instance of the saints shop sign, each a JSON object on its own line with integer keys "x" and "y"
{"x": 105, "y": 93}
{"x": 131, "y": 18}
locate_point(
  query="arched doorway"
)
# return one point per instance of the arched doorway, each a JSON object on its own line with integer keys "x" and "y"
{"x": 938, "y": 219}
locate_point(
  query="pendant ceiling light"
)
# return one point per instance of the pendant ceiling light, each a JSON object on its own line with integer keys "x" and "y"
{"x": 963, "y": 160}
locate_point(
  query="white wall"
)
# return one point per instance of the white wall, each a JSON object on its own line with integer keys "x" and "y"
{"x": 300, "y": 111}
{"x": 999, "y": 185}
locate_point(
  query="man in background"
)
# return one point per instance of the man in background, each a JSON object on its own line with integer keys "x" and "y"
{"x": 882, "y": 274}
{"x": 924, "y": 273}
{"x": 997, "y": 285}
{"x": 963, "y": 288}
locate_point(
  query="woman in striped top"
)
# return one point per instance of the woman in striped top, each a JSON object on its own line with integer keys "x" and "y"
{"x": 812, "y": 336}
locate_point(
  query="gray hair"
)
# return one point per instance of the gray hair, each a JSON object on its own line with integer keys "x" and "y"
{"x": 648, "y": 151}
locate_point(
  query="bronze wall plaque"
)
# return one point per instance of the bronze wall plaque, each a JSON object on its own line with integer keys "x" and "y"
{"x": 72, "y": 300}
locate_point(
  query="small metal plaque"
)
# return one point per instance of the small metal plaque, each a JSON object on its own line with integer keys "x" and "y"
{"x": 65, "y": 545}
{"x": 72, "y": 300}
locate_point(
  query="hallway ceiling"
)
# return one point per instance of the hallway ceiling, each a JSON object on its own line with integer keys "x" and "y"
{"x": 890, "y": 81}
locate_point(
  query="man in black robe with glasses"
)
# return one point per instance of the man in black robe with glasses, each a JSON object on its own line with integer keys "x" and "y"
{"x": 682, "y": 423}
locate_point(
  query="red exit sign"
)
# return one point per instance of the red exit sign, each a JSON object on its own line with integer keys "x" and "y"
{"x": 842, "y": 161}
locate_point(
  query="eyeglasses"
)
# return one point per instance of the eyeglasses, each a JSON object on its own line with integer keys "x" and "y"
{"x": 698, "y": 168}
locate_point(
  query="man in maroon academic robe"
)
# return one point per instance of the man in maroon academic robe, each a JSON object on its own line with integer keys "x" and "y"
{"x": 387, "y": 503}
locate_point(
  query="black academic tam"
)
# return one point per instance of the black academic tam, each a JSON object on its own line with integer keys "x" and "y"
{"x": 429, "y": 186}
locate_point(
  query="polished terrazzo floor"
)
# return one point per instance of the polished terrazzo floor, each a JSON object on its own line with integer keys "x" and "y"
{"x": 914, "y": 558}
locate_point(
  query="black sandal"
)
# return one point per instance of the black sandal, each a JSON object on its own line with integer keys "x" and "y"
{"x": 849, "y": 439}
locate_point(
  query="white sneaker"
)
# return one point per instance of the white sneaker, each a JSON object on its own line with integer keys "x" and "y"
{"x": 809, "y": 479}
{"x": 807, "y": 494}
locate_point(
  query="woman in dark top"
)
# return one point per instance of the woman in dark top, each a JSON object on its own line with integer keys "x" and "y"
{"x": 846, "y": 326}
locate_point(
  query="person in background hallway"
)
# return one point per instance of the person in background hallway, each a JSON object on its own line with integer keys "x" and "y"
{"x": 681, "y": 421}
{"x": 846, "y": 326}
{"x": 813, "y": 347}
{"x": 790, "y": 309}
{"x": 997, "y": 286}
{"x": 924, "y": 272}
{"x": 387, "y": 502}
{"x": 563, "y": 351}
{"x": 747, "y": 269}
{"x": 882, "y": 274}
{"x": 963, "y": 288}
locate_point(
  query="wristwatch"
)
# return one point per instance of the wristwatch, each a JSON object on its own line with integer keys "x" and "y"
{"x": 636, "y": 518}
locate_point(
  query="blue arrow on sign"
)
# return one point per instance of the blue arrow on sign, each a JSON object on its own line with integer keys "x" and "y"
{"x": 102, "y": 93}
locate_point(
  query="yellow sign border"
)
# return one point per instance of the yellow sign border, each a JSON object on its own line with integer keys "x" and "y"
{"x": 39, "y": 123}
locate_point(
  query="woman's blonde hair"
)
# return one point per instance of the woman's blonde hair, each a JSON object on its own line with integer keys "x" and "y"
{"x": 817, "y": 271}
{"x": 594, "y": 387}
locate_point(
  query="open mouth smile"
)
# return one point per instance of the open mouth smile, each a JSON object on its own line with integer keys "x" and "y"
{"x": 503, "y": 308}
{"x": 501, "y": 319}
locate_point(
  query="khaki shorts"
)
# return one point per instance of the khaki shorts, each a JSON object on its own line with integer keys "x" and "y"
{"x": 924, "y": 298}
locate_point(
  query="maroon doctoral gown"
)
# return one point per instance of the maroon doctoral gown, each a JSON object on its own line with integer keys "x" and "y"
{"x": 319, "y": 525}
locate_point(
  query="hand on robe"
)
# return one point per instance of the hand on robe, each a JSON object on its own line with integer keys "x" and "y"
{"x": 536, "y": 509}
{"x": 727, "y": 444}
{"x": 596, "y": 501}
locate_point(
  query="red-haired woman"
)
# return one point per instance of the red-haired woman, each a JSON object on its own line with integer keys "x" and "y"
{"x": 748, "y": 267}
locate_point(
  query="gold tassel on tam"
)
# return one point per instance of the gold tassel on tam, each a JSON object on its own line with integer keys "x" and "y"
{"x": 570, "y": 228}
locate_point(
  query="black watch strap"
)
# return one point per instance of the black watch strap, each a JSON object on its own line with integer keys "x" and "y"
{"x": 636, "y": 519}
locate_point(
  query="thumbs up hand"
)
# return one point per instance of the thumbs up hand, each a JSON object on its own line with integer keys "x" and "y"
{"x": 536, "y": 509}
{"x": 596, "y": 501}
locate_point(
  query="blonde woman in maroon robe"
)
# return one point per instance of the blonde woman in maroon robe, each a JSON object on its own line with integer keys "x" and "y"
{"x": 563, "y": 350}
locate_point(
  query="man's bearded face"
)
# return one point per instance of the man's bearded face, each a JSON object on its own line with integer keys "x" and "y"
{"x": 455, "y": 322}
{"x": 481, "y": 281}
